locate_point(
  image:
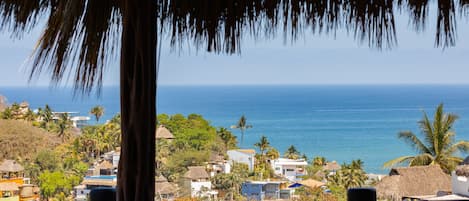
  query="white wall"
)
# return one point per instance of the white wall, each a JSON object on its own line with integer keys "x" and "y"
{"x": 460, "y": 184}
{"x": 240, "y": 157}
{"x": 197, "y": 186}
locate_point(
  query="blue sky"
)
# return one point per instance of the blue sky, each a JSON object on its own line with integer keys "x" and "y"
{"x": 310, "y": 60}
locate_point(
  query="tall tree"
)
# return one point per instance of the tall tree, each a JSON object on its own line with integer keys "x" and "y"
{"x": 437, "y": 146}
{"x": 97, "y": 111}
{"x": 228, "y": 138}
{"x": 292, "y": 153}
{"x": 242, "y": 126}
{"x": 63, "y": 126}
{"x": 272, "y": 153}
{"x": 263, "y": 145}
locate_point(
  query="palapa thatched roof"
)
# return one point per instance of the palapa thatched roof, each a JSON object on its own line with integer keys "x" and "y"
{"x": 215, "y": 157}
{"x": 196, "y": 172}
{"x": 10, "y": 166}
{"x": 462, "y": 170}
{"x": 332, "y": 166}
{"x": 413, "y": 181}
{"x": 99, "y": 182}
{"x": 163, "y": 133}
{"x": 105, "y": 165}
{"x": 311, "y": 183}
{"x": 165, "y": 188}
{"x": 9, "y": 186}
{"x": 160, "y": 179}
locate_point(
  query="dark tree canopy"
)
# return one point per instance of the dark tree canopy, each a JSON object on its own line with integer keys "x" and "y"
{"x": 85, "y": 33}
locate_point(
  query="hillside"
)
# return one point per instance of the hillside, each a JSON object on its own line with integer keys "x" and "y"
{"x": 19, "y": 139}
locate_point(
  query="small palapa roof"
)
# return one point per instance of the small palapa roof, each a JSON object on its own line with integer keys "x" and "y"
{"x": 10, "y": 166}
{"x": 105, "y": 165}
{"x": 99, "y": 182}
{"x": 9, "y": 186}
{"x": 462, "y": 170}
{"x": 246, "y": 151}
{"x": 332, "y": 166}
{"x": 312, "y": 183}
{"x": 160, "y": 179}
{"x": 163, "y": 133}
{"x": 413, "y": 181}
{"x": 196, "y": 172}
{"x": 165, "y": 188}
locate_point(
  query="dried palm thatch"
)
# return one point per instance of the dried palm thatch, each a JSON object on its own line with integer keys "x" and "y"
{"x": 196, "y": 173}
{"x": 163, "y": 133}
{"x": 462, "y": 170}
{"x": 10, "y": 166}
{"x": 413, "y": 181}
{"x": 80, "y": 36}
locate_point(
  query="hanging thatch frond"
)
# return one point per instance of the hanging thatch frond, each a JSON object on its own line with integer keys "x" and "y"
{"x": 78, "y": 38}
{"x": 81, "y": 35}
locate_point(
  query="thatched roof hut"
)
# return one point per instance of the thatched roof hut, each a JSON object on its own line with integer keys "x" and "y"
{"x": 105, "y": 165}
{"x": 10, "y": 166}
{"x": 413, "y": 181}
{"x": 196, "y": 173}
{"x": 311, "y": 183}
{"x": 162, "y": 186}
{"x": 332, "y": 166}
{"x": 163, "y": 133}
{"x": 9, "y": 186}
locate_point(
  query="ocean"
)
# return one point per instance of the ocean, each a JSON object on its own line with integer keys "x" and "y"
{"x": 341, "y": 123}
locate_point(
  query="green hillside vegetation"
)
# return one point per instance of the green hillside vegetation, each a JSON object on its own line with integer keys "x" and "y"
{"x": 195, "y": 141}
{"x": 21, "y": 141}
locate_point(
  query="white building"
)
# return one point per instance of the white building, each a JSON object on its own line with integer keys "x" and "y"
{"x": 217, "y": 165}
{"x": 289, "y": 168}
{"x": 460, "y": 180}
{"x": 246, "y": 156}
{"x": 198, "y": 181}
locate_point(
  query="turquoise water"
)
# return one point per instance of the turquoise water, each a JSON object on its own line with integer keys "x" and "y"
{"x": 339, "y": 122}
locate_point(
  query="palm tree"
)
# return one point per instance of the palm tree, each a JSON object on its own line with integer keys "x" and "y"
{"x": 80, "y": 37}
{"x": 292, "y": 153}
{"x": 272, "y": 153}
{"x": 319, "y": 161}
{"x": 263, "y": 145}
{"x": 97, "y": 111}
{"x": 437, "y": 146}
{"x": 242, "y": 126}
{"x": 63, "y": 125}
{"x": 228, "y": 138}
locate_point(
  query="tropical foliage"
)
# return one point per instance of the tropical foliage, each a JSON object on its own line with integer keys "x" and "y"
{"x": 97, "y": 111}
{"x": 317, "y": 194}
{"x": 292, "y": 153}
{"x": 438, "y": 145}
{"x": 262, "y": 168}
{"x": 242, "y": 125}
{"x": 349, "y": 175}
{"x": 195, "y": 140}
{"x": 230, "y": 184}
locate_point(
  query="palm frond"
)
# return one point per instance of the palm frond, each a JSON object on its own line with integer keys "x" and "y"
{"x": 422, "y": 159}
{"x": 413, "y": 141}
{"x": 462, "y": 146}
{"x": 19, "y": 16}
{"x": 78, "y": 39}
{"x": 427, "y": 129}
{"x": 396, "y": 161}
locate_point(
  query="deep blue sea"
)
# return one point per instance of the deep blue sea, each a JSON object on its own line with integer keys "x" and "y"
{"x": 339, "y": 122}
